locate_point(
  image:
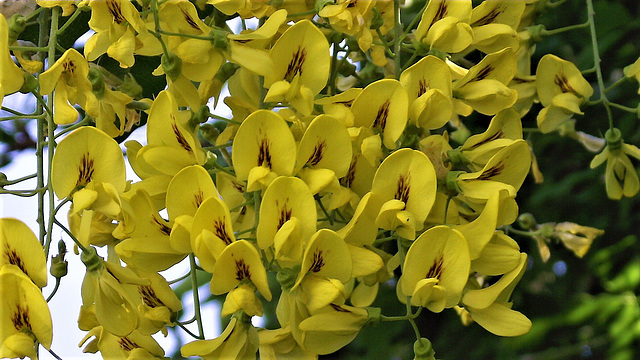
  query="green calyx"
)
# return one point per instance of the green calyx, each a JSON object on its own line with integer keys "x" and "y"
{"x": 59, "y": 266}
{"x": 30, "y": 83}
{"x": 172, "y": 65}
{"x": 97, "y": 82}
{"x": 199, "y": 117}
{"x": 91, "y": 260}
{"x": 536, "y": 32}
{"x": 614, "y": 139}
{"x": 452, "y": 182}
{"x": 219, "y": 39}
{"x": 375, "y": 316}
{"x": 423, "y": 350}
{"x": 456, "y": 157}
{"x": 377, "y": 20}
{"x": 287, "y": 277}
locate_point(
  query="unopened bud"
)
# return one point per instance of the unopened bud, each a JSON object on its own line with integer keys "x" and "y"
{"x": 527, "y": 221}
{"x": 172, "y": 65}
{"x": 17, "y": 24}
{"x": 423, "y": 350}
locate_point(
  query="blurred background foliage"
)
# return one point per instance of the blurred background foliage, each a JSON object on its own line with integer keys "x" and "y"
{"x": 580, "y": 308}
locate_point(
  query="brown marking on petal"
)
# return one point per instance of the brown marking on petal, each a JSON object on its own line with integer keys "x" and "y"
{"x": 562, "y": 81}
{"x": 127, "y": 344}
{"x": 347, "y": 103}
{"x": 69, "y": 66}
{"x": 264, "y": 155}
{"x": 489, "y": 18}
{"x": 238, "y": 186}
{"x": 242, "y": 270}
{"x": 318, "y": 261}
{"x": 295, "y": 65}
{"x": 149, "y": 297}
{"x": 403, "y": 188}
{"x": 381, "y": 116}
{"x": 198, "y": 198}
{"x": 220, "y": 230}
{"x": 20, "y": 318}
{"x": 14, "y": 259}
{"x": 318, "y": 153}
{"x": 492, "y": 171}
{"x": 352, "y": 3}
{"x": 435, "y": 271}
{"x": 495, "y": 136}
{"x": 116, "y": 11}
{"x": 519, "y": 80}
{"x": 85, "y": 170}
{"x": 440, "y": 13}
{"x": 285, "y": 214}
{"x": 163, "y": 228}
{"x": 347, "y": 180}
{"x": 338, "y": 308}
{"x": 423, "y": 86}
{"x": 243, "y": 210}
{"x": 482, "y": 74}
{"x": 179, "y": 137}
{"x": 189, "y": 19}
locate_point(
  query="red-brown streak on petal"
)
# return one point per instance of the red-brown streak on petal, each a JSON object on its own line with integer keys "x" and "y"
{"x": 242, "y": 270}
{"x": 163, "y": 228}
{"x": 423, "y": 86}
{"x": 116, "y": 11}
{"x": 149, "y": 297}
{"x": 318, "y": 261}
{"x": 179, "y": 137}
{"x": 562, "y": 81}
{"x": 495, "y": 136}
{"x": 220, "y": 229}
{"x": 318, "y": 153}
{"x": 127, "y": 344}
{"x": 491, "y": 172}
{"x": 285, "y": 213}
{"x": 483, "y": 73}
{"x": 403, "y": 188}
{"x": 347, "y": 180}
{"x": 338, "y": 308}
{"x": 440, "y": 14}
{"x": 489, "y": 18}
{"x": 189, "y": 19}
{"x": 295, "y": 65}
{"x": 435, "y": 271}
{"x": 20, "y": 318}
{"x": 198, "y": 198}
{"x": 85, "y": 170}
{"x": 381, "y": 116}
{"x": 14, "y": 259}
{"x": 264, "y": 154}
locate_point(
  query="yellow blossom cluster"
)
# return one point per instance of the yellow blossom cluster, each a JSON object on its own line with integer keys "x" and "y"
{"x": 330, "y": 184}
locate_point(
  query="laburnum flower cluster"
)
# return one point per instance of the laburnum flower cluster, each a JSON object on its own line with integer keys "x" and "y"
{"x": 323, "y": 190}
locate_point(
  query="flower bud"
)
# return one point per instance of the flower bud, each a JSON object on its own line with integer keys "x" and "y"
{"x": 212, "y": 159}
{"x": 97, "y": 82}
{"x": 527, "y": 221}
{"x": 17, "y": 24}
{"x": 614, "y": 139}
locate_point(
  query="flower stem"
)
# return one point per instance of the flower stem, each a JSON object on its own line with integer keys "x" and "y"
{"x": 397, "y": 40}
{"x": 564, "y": 29}
{"x": 596, "y": 60}
{"x": 196, "y": 296}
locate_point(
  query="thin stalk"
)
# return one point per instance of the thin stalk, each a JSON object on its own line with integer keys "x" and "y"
{"x": 196, "y": 296}
{"x": 615, "y": 84}
{"x": 199, "y": 37}
{"x": 624, "y": 108}
{"x": 81, "y": 123}
{"x": 28, "y": 48}
{"x": 42, "y": 40}
{"x": 414, "y": 21}
{"x": 73, "y": 237}
{"x": 596, "y": 60}
{"x": 180, "y": 278}
{"x": 18, "y": 117}
{"x": 70, "y": 21}
{"x": 55, "y": 289}
{"x": 397, "y": 41}
{"x": 564, "y": 29}
{"x": 323, "y": 209}
{"x": 187, "y": 331}
{"x": 53, "y": 40}
{"x": 18, "y": 180}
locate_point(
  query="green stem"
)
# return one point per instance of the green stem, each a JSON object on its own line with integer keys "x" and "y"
{"x": 54, "y": 354}
{"x": 326, "y": 213}
{"x": 218, "y": 117}
{"x": 12, "y": 182}
{"x": 408, "y": 298}
{"x": 199, "y": 37}
{"x": 180, "y": 278}
{"x": 397, "y": 40}
{"x": 555, "y": 4}
{"x": 75, "y": 240}
{"x": 615, "y": 84}
{"x": 334, "y": 70}
{"x": 596, "y": 60}
{"x": 28, "y": 48}
{"x": 42, "y": 39}
{"x": 414, "y": 21}
{"x": 564, "y": 29}
{"x": 23, "y": 193}
{"x": 196, "y": 296}
{"x": 53, "y": 41}
{"x": 511, "y": 230}
{"x": 55, "y": 289}
{"x": 187, "y": 331}
{"x": 33, "y": 14}
{"x": 81, "y": 123}
{"x": 304, "y": 13}
{"x": 156, "y": 20}
{"x": 624, "y": 108}
{"x": 17, "y": 117}
{"x": 70, "y": 21}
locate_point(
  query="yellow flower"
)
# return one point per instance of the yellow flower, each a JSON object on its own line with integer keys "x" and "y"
{"x": 287, "y": 219}
{"x": 494, "y": 25}
{"x": 484, "y": 87}
{"x": 444, "y": 25}
{"x": 103, "y": 286}
{"x": 211, "y": 232}
{"x": 157, "y": 304}
{"x": 68, "y": 76}
{"x": 435, "y": 269}
{"x": 25, "y": 315}
{"x": 490, "y": 306}
{"x": 302, "y": 60}
{"x": 20, "y": 247}
{"x": 428, "y": 84}
{"x": 68, "y": 7}
{"x": 406, "y": 185}
{"x": 11, "y": 77}
{"x": 108, "y": 107}
{"x": 621, "y": 177}
{"x": 132, "y": 346}
{"x": 239, "y": 262}
{"x": 561, "y": 90}
{"x": 239, "y": 340}
{"x": 116, "y": 23}
{"x": 263, "y": 149}
{"x": 279, "y": 343}
{"x": 576, "y": 238}
{"x": 324, "y": 153}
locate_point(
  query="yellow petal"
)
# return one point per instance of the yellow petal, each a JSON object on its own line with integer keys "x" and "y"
{"x": 239, "y": 261}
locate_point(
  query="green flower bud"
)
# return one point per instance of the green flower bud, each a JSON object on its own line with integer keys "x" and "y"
{"x": 3, "y": 180}
{"x": 58, "y": 268}
{"x": 211, "y": 161}
{"x": 172, "y": 65}
{"x": 226, "y": 71}
{"x": 423, "y": 350}
{"x": 30, "y": 83}
{"x": 16, "y": 24}
{"x": 527, "y": 221}
{"x": 199, "y": 117}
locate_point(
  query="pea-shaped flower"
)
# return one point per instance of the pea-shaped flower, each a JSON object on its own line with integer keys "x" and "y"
{"x": 20, "y": 247}
{"x": 444, "y": 25}
{"x": 11, "y": 78}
